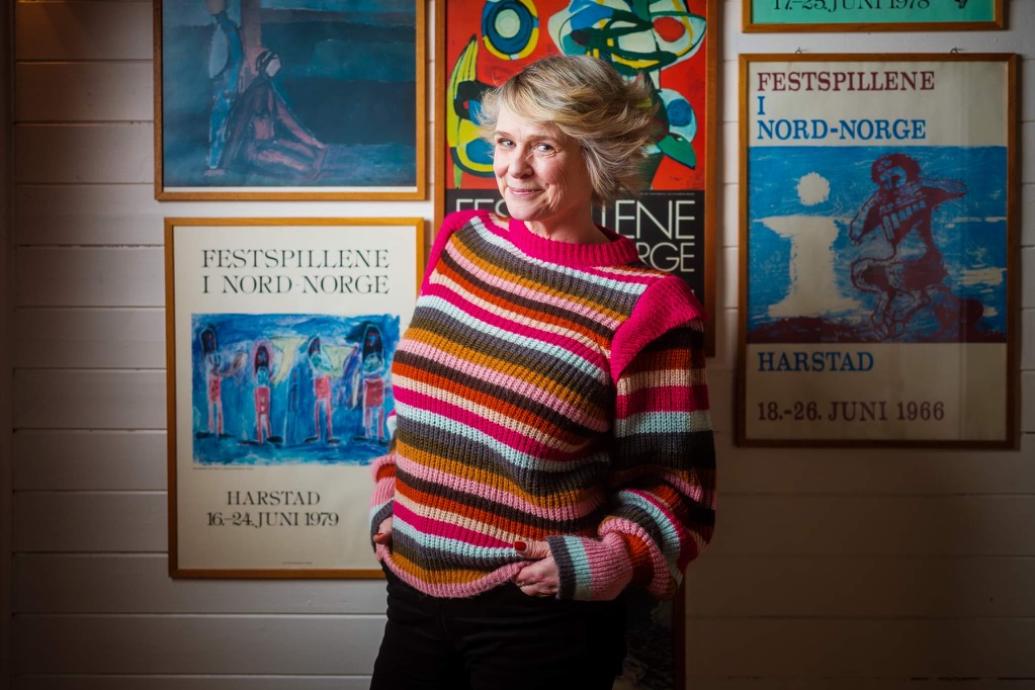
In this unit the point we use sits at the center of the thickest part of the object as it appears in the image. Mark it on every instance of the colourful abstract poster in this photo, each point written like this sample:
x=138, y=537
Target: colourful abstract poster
x=299, y=99
x=280, y=337
x=870, y=15
x=876, y=248
x=673, y=44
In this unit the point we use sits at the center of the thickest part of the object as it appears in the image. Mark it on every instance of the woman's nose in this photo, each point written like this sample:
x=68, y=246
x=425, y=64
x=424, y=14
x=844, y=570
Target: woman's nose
x=519, y=165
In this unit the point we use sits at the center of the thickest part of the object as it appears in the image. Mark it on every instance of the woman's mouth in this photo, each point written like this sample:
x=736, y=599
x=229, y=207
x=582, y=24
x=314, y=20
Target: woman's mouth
x=523, y=191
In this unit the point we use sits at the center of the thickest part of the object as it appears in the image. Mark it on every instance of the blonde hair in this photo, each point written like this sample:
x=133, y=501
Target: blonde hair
x=584, y=97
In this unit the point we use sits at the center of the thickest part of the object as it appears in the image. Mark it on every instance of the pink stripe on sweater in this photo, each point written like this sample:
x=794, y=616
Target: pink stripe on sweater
x=662, y=399
x=667, y=304
x=450, y=224
x=438, y=528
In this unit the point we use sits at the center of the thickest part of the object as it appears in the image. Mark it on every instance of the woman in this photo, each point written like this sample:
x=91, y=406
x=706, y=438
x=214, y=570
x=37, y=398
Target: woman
x=553, y=445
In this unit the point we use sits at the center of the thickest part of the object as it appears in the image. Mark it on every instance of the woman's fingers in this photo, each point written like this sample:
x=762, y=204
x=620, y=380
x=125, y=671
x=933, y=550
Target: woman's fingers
x=533, y=550
x=384, y=532
x=538, y=590
x=541, y=577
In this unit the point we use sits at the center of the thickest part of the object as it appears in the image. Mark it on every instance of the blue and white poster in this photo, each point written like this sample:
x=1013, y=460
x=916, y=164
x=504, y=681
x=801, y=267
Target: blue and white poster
x=289, y=98
x=281, y=335
x=876, y=246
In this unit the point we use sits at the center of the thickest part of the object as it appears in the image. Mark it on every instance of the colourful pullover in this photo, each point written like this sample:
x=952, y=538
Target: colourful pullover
x=546, y=391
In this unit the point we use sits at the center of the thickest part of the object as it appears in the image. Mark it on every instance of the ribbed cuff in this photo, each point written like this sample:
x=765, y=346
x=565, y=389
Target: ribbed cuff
x=378, y=513
x=383, y=469
x=591, y=569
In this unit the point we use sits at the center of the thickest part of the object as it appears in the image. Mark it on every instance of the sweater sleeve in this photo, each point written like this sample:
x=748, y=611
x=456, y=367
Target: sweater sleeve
x=450, y=224
x=661, y=511
x=383, y=497
x=383, y=469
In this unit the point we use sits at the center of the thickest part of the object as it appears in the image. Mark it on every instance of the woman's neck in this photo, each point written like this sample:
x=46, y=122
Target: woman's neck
x=581, y=231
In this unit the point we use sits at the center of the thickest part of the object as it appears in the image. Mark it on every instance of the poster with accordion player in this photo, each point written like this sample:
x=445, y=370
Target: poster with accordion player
x=878, y=216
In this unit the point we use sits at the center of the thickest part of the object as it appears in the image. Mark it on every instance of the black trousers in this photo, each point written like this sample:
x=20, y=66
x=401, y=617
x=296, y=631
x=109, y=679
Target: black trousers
x=502, y=639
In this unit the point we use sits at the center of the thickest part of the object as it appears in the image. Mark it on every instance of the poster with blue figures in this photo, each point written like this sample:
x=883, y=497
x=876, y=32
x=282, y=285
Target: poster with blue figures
x=281, y=335
x=877, y=240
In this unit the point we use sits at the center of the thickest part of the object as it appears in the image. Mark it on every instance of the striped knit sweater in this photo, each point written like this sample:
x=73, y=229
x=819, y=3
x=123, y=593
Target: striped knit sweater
x=546, y=391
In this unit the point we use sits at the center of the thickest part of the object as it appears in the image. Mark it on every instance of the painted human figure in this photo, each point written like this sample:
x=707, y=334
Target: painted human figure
x=374, y=368
x=911, y=271
x=216, y=369
x=321, y=370
x=226, y=55
x=264, y=136
x=213, y=380
x=261, y=369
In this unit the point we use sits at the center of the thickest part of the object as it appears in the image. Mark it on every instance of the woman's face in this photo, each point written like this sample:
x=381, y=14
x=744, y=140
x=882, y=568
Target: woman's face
x=540, y=171
x=273, y=67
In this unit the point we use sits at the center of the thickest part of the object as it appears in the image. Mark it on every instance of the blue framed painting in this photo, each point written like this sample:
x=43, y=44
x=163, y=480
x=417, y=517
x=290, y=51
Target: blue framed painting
x=289, y=99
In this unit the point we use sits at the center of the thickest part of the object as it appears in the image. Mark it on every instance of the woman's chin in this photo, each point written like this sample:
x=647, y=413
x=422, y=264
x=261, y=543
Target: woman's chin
x=523, y=209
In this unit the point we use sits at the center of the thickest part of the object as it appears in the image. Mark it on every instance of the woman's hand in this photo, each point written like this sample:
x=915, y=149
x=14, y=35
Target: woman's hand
x=541, y=577
x=383, y=536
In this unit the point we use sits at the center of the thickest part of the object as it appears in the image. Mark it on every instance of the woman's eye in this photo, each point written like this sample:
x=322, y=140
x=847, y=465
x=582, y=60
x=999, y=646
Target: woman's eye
x=504, y=143
x=544, y=147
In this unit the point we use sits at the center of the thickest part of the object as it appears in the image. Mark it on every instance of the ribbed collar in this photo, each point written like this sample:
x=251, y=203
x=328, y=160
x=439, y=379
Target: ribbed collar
x=619, y=251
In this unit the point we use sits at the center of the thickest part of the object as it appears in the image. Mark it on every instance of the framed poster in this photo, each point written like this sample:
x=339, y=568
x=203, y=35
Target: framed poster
x=307, y=99
x=674, y=45
x=279, y=339
x=877, y=252
x=872, y=15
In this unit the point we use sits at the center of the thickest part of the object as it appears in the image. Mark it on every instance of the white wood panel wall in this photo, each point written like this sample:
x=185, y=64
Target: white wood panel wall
x=849, y=569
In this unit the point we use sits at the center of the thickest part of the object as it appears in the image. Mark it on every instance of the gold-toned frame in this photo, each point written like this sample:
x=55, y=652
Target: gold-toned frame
x=749, y=25
x=712, y=188
x=1012, y=62
x=314, y=193
x=175, y=571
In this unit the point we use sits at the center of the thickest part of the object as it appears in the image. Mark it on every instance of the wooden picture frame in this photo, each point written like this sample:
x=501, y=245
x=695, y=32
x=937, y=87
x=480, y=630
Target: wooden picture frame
x=760, y=16
x=322, y=105
x=279, y=339
x=878, y=262
x=674, y=220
